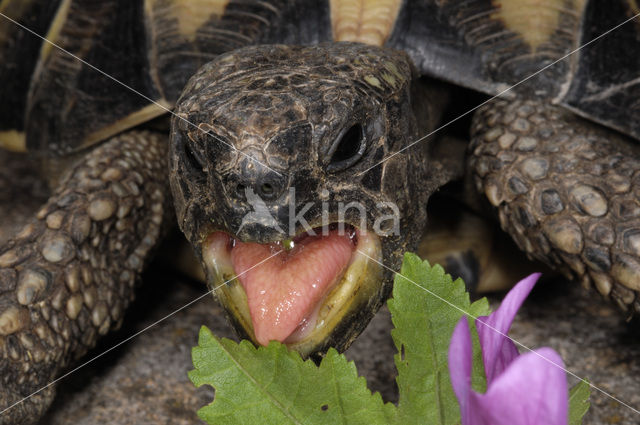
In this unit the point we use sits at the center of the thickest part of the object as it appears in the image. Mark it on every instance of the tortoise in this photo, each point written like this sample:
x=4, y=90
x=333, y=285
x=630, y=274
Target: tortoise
x=293, y=160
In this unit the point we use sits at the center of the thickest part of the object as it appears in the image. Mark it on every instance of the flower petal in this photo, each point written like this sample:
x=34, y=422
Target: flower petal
x=460, y=358
x=497, y=350
x=532, y=390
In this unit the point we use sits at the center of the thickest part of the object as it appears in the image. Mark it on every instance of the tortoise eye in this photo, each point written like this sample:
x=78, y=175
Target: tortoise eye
x=194, y=160
x=347, y=149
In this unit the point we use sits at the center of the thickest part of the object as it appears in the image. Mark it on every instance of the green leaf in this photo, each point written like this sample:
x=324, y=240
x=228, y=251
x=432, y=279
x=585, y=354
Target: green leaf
x=579, y=402
x=425, y=308
x=272, y=385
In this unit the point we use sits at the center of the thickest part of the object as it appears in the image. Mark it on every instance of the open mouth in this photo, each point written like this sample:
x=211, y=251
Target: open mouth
x=295, y=291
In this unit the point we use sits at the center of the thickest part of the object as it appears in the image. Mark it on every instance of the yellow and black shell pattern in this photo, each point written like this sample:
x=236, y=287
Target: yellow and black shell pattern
x=587, y=51
x=61, y=103
x=55, y=101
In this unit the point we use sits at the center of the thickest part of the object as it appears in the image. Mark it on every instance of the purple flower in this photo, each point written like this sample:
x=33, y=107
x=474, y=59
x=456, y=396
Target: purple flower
x=528, y=389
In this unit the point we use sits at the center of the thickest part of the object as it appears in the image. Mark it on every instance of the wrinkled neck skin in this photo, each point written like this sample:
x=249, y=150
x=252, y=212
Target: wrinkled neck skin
x=276, y=151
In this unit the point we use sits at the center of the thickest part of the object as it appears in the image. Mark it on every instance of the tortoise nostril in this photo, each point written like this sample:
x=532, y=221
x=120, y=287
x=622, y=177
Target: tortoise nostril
x=248, y=184
x=269, y=190
x=266, y=189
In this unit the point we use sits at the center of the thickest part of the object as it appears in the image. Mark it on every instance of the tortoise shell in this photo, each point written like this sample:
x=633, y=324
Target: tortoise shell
x=137, y=55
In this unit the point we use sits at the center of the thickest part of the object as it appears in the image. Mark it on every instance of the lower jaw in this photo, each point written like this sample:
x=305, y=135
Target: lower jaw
x=353, y=291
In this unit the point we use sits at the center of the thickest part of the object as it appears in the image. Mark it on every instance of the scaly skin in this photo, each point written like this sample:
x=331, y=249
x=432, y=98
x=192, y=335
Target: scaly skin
x=566, y=190
x=289, y=107
x=68, y=276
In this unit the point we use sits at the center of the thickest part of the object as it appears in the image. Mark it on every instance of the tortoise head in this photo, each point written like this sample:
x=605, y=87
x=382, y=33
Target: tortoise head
x=276, y=181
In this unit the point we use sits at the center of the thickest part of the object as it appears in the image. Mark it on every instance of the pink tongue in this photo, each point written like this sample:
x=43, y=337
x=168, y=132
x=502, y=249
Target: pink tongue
x=285, y=289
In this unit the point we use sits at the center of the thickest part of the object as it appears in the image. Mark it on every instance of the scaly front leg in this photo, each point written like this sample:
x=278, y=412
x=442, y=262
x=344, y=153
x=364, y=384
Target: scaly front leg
x=567, y=190
x=67, y=277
